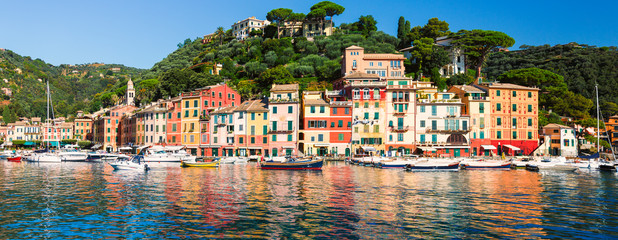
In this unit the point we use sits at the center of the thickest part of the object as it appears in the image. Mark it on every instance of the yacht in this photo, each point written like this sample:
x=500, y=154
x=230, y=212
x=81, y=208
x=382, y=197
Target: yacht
x=72, y=155
x=167, y=154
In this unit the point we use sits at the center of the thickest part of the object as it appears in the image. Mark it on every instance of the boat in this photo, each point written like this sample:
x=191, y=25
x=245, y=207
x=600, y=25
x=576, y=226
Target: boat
x=167, y=154
x=6, y=153
x=228, y=160
x=241, y=160
x=397, y=163
x=425, y=166
x=551, y=164
x=16, y=158
x=485, y=165
x=135, y=163
x=212, y=164
x=45, y=155
x=293, y=164
x=72, y=155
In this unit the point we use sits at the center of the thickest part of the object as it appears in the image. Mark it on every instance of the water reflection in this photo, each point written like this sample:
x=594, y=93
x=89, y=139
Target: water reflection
x=79, y=200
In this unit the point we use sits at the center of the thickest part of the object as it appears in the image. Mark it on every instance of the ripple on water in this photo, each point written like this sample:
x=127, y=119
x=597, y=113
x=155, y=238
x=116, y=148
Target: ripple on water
x=83, y=200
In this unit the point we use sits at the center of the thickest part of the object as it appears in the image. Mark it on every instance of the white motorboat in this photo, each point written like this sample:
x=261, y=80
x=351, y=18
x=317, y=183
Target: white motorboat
x=45, y=157
x=433, y=165
x=72, y=155
x=135, y=163
x=167, y=154
x=470, y=164
x=241, y=160
x=227, y=160
x=552, y=164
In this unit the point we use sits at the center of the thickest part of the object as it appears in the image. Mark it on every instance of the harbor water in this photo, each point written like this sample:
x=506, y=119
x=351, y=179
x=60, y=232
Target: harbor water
x=90, y=200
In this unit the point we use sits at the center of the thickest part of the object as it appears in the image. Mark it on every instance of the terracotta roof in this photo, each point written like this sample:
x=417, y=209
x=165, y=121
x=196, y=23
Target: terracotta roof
x=377, y=56
x=354, y=47
x=505, y=86
x=316, y=102
x=358, y=75
x=469, y=89
x=229, y=109
x=284, y=87
x=252, y=106
x=554, y=125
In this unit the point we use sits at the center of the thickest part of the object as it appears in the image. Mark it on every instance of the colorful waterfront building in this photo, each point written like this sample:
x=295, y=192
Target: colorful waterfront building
x=140, y=128
x=400, y=112
x=190, y=121
x=83, y=127
x=222, y=140
x=283, y=105
x=213, y=97
x=514, y=117
x=154, y=119
x=174, y=121
x=340, y=124
x=558, y=140
x=106, y=126
x=477, y=106
x=441, y=128
x=314, y=136
x=128, y=130
x=252, y=141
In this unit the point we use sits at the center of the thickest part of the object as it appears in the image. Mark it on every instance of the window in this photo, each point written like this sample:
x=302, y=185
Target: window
x=265, y=139
x=514, y=135
x=529, y=135
x=400, y=137
x=290, y=126
x=265, y=116
x=514, y=122
x=356, y=105
x=334, y=111
x=422, y=109
x=481, y=108
x=499, y=134
x=366, y=105
x=274, y=126
x=356, y=93
x=434, y=125
x=514, y=93
x=187, y=104
x=320, y=137
x=498, y=93
x=376, y=128
x=289, y=137
x=252, y=130
x=290, y=109
x=312, y=109
x=252, y=116
x=422, y=138
x=366, y=93
x=376, y=115
x=482, y=135
x=240, y=140
x=340, y=123
x=434, y=138
x=498, y=107
x=529, y=94
x=499, y=121
x=376, y=93
x=434, y=110
x=252, y=139
x=347, y=111
x=264, y=130
x=529, y=108
x=366, y=115
x=340, y=137
x=274, y=138
x=321, y=109
x=274, y=109
x=422, y=123
x=514, y=107
x=195, y=113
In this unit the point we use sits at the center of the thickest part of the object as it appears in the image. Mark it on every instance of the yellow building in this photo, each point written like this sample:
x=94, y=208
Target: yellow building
x=190, y=131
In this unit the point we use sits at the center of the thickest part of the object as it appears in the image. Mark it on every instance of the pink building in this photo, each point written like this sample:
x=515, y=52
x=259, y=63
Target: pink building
x=381, y=64
x=283, y=105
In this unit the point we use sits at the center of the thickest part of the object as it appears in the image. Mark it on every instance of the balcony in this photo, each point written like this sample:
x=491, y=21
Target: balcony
x=341, y=103
x=399, y=128
x=478, y=98
x=438, y=100
x=446, y=131
x=400, y=87
x=399, y=113
x=367, y=84
x=280, y=131
x=283, y=100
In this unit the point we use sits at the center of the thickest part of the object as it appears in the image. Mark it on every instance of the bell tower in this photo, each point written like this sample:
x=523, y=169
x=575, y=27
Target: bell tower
x=130, y=98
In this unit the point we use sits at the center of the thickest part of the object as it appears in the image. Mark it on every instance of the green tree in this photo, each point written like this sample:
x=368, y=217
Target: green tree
x=331, y=9
x=295, y=18
x=435, y=28
x=220, y=33
x=255, y=68
x=436, y=79
x=278, y=74
x=279, y=15
x=367, y=24
x=478, y=44
x=422, y=49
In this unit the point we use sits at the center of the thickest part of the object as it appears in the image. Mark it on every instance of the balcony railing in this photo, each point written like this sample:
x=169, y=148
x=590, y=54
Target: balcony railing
x=399, y=128
x=400, y=87
x=438, y=100
x=280, y=131
x=283, y=100
x=367, y=84
x=446, y=131
x=478, y=98
x=341, y=103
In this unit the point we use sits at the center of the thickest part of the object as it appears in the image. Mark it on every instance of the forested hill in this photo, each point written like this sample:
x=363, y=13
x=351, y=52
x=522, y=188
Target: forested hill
x=581, y=66
x=73, y=87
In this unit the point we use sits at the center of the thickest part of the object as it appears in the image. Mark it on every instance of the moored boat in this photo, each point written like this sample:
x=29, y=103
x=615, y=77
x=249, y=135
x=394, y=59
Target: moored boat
x=212, y=164
x=486, y=165
x=292, y=164
x=135, y=163
x=16, y=158
x=433, y=166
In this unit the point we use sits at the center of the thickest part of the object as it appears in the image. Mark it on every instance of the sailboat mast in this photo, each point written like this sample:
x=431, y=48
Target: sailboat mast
x=596, y=88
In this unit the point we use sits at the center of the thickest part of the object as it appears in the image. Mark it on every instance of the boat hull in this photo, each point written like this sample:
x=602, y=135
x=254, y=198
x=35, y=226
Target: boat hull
x=453, y=167
x=472, y=166
x=14, y=159
x=200, y=164
x=295, y=165
x=125, y=165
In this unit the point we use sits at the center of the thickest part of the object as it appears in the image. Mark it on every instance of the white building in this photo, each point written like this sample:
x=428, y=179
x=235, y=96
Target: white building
x=241, y=29
x=457, y=62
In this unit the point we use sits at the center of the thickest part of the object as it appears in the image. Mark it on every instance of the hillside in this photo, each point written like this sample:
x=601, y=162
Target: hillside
x=73, y=88
x=581, y=66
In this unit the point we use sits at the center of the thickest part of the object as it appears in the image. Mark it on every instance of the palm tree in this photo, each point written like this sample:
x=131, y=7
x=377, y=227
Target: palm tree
x=220, y=33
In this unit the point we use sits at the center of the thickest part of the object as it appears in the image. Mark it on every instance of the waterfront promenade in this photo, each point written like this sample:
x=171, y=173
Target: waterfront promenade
x=83, y=200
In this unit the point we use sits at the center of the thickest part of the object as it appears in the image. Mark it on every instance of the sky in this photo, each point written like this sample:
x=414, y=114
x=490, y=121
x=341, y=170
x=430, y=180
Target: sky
x=142, y=33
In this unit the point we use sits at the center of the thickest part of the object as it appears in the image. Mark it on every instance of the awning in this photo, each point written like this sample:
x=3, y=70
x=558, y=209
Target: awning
x=29, y=143
x=53, y=144
x=289, y=147
x=369, y=149
x=427, y=149
x=322, y=145
x=488, y=147
x=255, y=148
x=512, y=147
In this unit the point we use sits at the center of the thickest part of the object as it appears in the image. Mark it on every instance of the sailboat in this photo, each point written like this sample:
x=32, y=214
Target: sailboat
x=47, y=156
x=603, y=166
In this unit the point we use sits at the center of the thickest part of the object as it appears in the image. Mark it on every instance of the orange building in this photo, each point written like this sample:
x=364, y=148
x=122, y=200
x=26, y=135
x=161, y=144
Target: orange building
x=83, y=128
x=514, y=117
